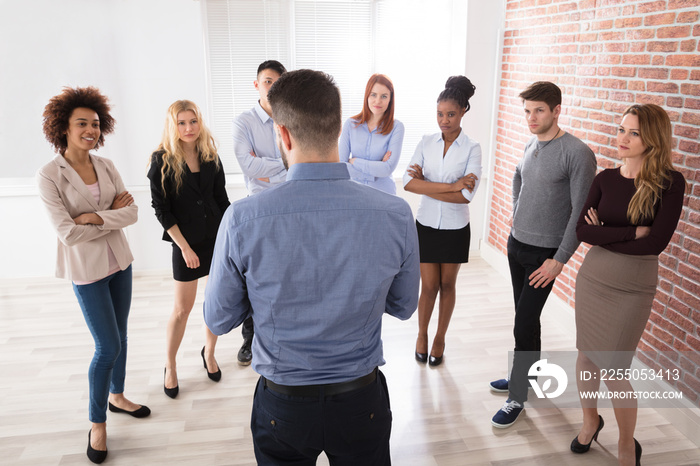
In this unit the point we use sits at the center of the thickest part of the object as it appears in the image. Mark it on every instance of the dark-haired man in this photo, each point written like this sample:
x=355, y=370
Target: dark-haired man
x=550, y=186
x=260, y=160
x=288, y=257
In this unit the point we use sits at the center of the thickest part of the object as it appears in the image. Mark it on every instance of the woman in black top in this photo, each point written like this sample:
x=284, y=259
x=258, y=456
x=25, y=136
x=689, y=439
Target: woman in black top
x=189, y=197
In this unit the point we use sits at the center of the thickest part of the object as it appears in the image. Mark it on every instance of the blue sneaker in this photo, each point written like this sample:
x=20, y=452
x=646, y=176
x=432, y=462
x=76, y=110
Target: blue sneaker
x=507, y=415
x=499, y=386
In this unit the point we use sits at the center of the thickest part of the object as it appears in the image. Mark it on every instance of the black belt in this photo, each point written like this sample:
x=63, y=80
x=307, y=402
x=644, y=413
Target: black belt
x=328, y=389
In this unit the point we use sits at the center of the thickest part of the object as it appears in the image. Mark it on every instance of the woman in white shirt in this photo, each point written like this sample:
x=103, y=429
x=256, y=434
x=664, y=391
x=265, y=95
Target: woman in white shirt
x=371, y=140
x=445, y=169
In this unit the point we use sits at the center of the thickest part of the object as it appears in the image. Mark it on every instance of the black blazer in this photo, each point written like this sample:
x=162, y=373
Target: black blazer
x=197, y=209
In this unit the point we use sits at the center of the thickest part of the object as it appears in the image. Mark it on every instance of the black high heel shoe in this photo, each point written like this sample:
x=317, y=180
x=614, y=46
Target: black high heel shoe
x=421, y=357
x=578, y=447
x=215, y=376
x=171, y=392
x=97, y=456
x=637, y=452
x=436, y=360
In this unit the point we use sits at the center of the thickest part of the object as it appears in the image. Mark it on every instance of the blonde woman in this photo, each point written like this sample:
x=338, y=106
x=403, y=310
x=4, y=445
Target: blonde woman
x=629, y=218
x=189, y=197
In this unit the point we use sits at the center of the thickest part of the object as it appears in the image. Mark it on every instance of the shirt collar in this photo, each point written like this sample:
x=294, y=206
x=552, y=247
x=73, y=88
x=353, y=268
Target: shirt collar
x=459, y=141
x=262, y=114
x=318, y=171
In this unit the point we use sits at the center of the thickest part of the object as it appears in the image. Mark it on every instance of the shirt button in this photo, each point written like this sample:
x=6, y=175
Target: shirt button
x=273, y=422
x=199, y=202
x=371, y=416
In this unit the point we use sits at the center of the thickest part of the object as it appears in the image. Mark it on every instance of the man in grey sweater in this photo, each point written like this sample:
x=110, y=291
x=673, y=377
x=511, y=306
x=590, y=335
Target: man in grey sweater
x=550, y=186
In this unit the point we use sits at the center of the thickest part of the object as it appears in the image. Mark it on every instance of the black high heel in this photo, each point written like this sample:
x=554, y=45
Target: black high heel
x=637, y=452
x=97, y=456
x=215, y=376
x=171, y=392
x=421, y=357
x=578, y=447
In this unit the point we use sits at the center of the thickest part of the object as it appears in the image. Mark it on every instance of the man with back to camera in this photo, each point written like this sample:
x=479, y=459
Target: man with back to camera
x=550, y=186
x=288, y=257
x=259, y=158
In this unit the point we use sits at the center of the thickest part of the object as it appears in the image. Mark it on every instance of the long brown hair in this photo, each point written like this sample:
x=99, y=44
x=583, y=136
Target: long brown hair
x=386, y=123
x=655, y=174
x=171, y=146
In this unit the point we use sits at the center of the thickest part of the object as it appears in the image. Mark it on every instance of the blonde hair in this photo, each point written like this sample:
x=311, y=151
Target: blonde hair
x=173, y=155
x=655, y=174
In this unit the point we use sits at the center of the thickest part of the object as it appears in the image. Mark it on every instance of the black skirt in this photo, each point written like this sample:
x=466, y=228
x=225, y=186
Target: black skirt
x=182, y=273
x=443, y=246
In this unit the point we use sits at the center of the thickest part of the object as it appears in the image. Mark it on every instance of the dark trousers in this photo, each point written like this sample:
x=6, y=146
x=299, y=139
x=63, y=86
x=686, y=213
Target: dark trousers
x=247, y=329
x=352, y=428
x=523, y=260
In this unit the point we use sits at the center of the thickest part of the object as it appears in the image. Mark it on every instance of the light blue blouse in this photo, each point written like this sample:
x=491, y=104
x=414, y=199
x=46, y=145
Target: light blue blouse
x=462, y=158
x=368, y=149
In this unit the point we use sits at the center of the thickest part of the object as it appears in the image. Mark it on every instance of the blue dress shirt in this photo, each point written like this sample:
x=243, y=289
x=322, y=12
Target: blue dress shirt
x=317, y=261
x=368, y=149
x=254, y=130
x=462, y=158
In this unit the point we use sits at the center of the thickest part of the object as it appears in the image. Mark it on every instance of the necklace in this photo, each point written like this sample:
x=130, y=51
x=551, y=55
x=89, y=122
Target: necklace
x=537, y=151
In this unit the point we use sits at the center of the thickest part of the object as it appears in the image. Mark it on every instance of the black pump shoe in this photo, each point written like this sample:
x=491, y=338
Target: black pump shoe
x=215, y=376
x=421, y=357
x=578, y=447
x=171, y=392
x=637, y=452
x=97, y=456
x=435, y=360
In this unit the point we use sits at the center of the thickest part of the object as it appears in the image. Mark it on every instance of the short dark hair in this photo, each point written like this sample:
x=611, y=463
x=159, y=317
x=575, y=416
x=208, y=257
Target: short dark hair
x=543, y=91
x=273, y=65
x=58, y=111
x=459, y=89
x=307, y=103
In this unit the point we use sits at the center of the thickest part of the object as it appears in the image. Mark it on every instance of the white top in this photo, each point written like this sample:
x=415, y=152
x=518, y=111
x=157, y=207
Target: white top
x=463, y=157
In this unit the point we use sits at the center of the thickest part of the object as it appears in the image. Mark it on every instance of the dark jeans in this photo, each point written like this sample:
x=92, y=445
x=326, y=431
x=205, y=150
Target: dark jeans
x=523, y=260
x=105, y=306
x=247, y=329
x=351, y=428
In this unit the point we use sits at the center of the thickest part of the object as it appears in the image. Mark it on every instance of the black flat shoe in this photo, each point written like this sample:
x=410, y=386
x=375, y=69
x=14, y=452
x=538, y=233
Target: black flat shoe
x=637, y=452
x=435, y=360
x=171, y=392
x=96, y=456
x=143, y=411
x=421, y=357
x=215, y=376
x=578, y=447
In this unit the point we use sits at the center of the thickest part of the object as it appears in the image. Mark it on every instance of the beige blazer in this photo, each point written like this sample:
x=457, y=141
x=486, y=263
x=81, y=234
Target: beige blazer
x=82, y=249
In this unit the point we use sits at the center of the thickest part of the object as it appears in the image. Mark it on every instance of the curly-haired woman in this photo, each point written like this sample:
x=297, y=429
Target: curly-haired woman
x=189, y=196
x=89, y=206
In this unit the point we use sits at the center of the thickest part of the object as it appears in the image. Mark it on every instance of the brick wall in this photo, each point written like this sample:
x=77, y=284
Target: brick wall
x=606, y=55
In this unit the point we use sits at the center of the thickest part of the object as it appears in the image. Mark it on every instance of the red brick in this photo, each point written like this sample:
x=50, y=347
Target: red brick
x=689, y=146
x=687, y=17
x=651, y=6
x=653, y=73
x=649, y=99
x=663, y=18
x=691, y=118
x=676, y=102
x=668, y=88
x=688, y=45
x=686, y=131
x=640, y=34
x=673, y=32
x=679, y=74
x=683, y=60
x=612, y=47
x=684, y=324
x=662, y=46
x=601, y=25
x=636, y=59
x=624, y=71
x=678, y=4
x=690, y=89
x=687, y=298
x=626, y=23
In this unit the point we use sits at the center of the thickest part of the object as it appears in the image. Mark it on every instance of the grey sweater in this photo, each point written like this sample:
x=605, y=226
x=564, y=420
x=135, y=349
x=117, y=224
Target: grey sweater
x=549, y=191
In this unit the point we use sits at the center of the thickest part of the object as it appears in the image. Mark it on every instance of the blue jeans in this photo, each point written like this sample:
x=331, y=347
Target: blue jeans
x=105, y=306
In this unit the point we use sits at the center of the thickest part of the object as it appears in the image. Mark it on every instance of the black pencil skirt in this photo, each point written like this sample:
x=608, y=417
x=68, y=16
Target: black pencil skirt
x=443, y=246
x=182, y=273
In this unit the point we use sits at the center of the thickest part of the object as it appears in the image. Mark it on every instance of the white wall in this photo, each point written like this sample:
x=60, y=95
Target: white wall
x=143, y=55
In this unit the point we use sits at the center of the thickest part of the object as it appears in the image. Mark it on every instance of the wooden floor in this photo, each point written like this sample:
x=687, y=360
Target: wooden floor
x=441, y=415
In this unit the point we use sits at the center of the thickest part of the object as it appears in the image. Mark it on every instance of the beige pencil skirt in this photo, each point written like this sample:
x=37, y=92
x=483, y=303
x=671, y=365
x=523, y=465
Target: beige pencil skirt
x=614, y=294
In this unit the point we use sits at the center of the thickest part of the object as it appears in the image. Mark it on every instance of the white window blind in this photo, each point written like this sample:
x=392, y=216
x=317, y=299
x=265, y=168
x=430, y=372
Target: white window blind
x=417, y=44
